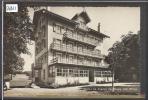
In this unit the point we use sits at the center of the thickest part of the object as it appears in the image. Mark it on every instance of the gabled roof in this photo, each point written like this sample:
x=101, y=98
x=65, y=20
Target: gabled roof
x=66, y=20
x=84, y=15
x=52, y=15
x=98, y=33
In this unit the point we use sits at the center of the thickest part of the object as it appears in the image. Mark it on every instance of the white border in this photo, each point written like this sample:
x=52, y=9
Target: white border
x=2, y=46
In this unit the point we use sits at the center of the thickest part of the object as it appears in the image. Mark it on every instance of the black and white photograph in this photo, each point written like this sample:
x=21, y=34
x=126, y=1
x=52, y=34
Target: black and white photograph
x=72, y=52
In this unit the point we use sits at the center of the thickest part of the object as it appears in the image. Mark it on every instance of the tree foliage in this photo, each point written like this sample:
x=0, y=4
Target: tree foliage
x=124, y=58
x=17, y=34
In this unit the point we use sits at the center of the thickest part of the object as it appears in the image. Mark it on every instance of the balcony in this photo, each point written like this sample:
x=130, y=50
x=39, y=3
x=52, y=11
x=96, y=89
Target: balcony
x=74, y=50
x=82, y=40
x=38, y=66
x=76, y=63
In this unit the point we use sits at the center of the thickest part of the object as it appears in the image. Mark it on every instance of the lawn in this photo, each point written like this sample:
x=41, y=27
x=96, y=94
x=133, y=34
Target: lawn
x=118, y=90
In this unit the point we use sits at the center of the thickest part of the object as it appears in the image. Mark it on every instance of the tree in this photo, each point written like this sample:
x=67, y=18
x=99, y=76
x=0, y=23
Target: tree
x=124, y=58
x=17, y=34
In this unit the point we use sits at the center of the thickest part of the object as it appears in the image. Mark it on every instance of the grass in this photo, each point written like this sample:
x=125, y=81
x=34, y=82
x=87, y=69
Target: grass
x=118, y=90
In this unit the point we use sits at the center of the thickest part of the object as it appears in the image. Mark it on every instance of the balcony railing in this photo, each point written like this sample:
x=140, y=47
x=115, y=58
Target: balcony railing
x=75, y=62
x=82, y=40
x=74, y=50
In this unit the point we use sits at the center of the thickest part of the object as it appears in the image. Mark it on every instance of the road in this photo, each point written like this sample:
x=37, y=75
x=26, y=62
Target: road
x=66, y=92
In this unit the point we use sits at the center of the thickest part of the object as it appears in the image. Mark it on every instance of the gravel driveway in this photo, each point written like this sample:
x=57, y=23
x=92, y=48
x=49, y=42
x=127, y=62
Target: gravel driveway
x=68, y=92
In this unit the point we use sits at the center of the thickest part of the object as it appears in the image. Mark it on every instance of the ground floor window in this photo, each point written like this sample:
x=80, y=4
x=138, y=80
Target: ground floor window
x=65, y=72
x=103, y=74
x=51, y=72
x=71, y=72
x=59, y=72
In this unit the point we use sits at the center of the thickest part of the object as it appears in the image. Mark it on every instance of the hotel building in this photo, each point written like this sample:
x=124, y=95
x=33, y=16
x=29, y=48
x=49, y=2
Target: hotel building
x=65, y=50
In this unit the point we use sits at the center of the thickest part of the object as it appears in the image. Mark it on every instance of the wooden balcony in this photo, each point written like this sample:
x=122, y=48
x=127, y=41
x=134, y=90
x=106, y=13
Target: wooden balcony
x=74, y=50
x=74, y=62
x=76, y=38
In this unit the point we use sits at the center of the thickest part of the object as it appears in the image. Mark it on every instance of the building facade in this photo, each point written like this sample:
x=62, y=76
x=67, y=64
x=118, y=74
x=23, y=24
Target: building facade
x=65, y=50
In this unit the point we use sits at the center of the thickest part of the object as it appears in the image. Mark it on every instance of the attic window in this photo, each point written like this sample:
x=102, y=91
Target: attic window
x=82, y=24
x=57, y=28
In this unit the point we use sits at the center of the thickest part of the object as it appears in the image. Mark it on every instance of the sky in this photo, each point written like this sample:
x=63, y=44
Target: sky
x=115, y=21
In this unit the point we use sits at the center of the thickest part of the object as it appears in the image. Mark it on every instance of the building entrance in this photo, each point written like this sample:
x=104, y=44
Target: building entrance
x=91, y=75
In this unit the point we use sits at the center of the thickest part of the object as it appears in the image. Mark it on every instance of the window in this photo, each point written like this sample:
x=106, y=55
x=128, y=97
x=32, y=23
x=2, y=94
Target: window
x=44, y=74
x=91, y=38
x=40, y=21
x=65, y=72
x=82, y=24
x=109, y=74
x=81, y=73
x=39, y=33
x=80, y=36
x=76, y=73
x=63, y=30
x=80, y=48
x=98, y=73
x=80, y=60
x=74, y=35
x=89, y=61
x=85, y=49
x=71, y=58
x=89, y=51
x=59, y=56
x=70, y=46
x=56, y=28
x=43, y=43
x=43, y=30
x=103, y=74
x=59, y=72
x=85, y=73
x=71, y=72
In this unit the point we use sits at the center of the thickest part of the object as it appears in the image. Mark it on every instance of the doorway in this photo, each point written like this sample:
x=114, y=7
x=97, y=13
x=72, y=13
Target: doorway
x=91, y=75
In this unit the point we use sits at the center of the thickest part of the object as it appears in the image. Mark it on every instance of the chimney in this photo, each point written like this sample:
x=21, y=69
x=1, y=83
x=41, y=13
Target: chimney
x=98, y=27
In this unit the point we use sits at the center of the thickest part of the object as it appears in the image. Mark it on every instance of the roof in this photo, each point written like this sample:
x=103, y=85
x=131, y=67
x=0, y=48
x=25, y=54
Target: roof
x=82, y=14
x=98, y=33
x=52, y=15
x=66, y=20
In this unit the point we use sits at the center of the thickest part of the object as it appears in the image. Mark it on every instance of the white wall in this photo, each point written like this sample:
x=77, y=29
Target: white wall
x=103, y=79
x=70, y=80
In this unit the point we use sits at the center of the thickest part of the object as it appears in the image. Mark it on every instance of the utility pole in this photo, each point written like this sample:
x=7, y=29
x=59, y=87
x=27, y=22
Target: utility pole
x=113, y=71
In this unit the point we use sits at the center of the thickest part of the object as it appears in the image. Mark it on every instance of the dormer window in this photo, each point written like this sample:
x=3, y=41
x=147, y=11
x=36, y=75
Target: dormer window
x=83, y=15
x=82, y=24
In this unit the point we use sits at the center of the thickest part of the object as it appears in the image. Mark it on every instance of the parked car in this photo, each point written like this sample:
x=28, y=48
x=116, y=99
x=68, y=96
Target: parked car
x=20, y=83
x=20, y=80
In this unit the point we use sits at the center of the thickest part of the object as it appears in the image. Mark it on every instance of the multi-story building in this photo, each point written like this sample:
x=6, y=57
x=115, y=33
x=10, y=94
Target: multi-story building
x=65, y=50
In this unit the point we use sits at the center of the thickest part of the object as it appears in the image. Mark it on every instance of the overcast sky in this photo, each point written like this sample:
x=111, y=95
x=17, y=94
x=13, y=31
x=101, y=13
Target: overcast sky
x=115, y=21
